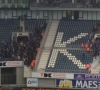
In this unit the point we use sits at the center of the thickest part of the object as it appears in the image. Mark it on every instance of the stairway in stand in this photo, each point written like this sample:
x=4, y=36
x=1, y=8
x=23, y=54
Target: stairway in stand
x=48, y=46
x=96, y=66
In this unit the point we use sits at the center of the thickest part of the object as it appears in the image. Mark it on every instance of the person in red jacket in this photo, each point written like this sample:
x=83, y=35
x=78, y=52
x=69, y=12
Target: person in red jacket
x=32, y=64
x=88, y=49
x=82, y=45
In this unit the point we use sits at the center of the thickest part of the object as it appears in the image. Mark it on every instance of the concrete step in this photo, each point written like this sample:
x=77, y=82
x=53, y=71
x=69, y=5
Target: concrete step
x=43, y=59
x=48, y=43
x=95, y=65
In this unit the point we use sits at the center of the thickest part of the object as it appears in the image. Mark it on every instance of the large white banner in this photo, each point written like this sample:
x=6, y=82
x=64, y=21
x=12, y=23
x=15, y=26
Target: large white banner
x=52, y=75
x=32, y=82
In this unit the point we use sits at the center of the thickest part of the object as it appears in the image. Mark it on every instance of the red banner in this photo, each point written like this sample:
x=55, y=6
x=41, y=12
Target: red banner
x=33, y=88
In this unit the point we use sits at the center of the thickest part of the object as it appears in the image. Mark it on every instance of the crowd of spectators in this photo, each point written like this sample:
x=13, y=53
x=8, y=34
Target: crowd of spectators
x=93, y=44
x=23, y=50
x=96, y=42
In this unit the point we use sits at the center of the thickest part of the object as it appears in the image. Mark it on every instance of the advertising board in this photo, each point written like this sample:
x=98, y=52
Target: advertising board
x=11, y=63
x=41, y=75
x=32, y=82
x=87, y=76
x=52, y=75
x=34, y=88
x=61, y=83
x=59, y=75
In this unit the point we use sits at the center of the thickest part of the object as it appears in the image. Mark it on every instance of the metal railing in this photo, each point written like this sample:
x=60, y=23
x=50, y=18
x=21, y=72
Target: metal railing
x=66, y=5
x=9, y=59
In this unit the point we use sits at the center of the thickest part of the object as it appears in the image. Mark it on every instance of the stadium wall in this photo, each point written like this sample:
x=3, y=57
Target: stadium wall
x=19, y=76
x=46, y=82
x=20, y=80
x=41, y=82
x=63, y=84
x=52, y=14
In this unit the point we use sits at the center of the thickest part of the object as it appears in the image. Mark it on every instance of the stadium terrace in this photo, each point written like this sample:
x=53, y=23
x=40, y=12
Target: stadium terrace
x=49, y=44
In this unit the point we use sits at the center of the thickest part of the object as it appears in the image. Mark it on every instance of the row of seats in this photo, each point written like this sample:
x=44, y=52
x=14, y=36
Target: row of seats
x=74, y=28
x=70, y=35
x=64, y=64
x=67, y=5
x=8, y=48
x=7, y=26
x=33, y=24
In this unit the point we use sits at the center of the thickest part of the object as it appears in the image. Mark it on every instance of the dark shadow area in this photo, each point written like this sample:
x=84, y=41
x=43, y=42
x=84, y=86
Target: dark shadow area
x=8, y=76
x=22, y=38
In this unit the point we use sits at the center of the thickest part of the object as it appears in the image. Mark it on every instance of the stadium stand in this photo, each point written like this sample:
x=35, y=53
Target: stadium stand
x=56, y=31
x=32, y=25
x=66, y=3
x=12, y=50
x=69, y=56
x=7, y=26
x=37, y=27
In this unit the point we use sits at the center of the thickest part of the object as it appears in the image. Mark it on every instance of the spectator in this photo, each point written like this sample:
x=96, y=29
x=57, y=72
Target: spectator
x=32, y=64
x=42, y=34
x=21, y=28
x=88, y=66
x=83, y=56
x=87, y=4
x=95, y=28
x=22, y=49
x=88, y=49
x=82, y=45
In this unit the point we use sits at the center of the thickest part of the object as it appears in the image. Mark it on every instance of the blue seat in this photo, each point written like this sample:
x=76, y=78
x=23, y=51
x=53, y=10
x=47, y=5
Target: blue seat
x=7, y=27
x=72, y=61
x=31, y=24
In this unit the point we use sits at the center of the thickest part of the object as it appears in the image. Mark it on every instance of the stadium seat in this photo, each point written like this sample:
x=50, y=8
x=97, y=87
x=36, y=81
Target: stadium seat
x=32, y=24
x=7, y=26
x=67, y=55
